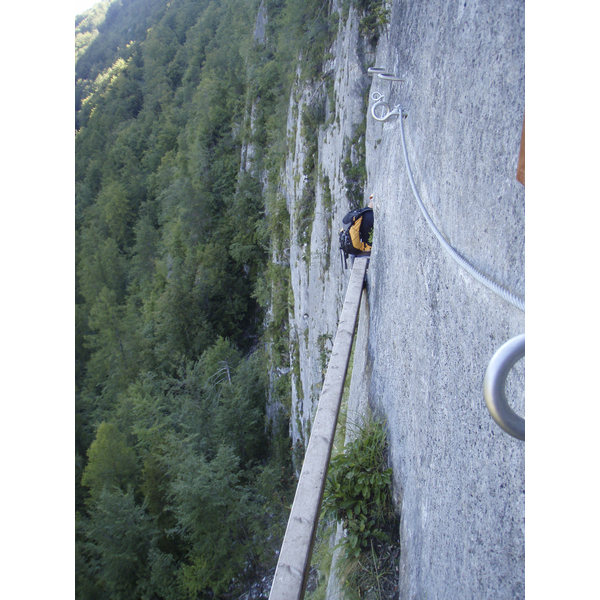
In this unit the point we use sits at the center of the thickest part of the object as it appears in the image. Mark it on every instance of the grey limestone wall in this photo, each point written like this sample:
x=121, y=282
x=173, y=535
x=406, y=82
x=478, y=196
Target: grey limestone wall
x=427, y=329
x=317, y=278
x=432, y=329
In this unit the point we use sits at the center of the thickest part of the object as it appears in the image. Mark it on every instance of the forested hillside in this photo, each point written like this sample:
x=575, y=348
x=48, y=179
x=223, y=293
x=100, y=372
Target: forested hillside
x=183, y=485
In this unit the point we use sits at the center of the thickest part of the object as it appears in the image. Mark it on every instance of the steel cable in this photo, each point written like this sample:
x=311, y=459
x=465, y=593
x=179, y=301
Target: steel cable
x=513, y=350
x=465, y=264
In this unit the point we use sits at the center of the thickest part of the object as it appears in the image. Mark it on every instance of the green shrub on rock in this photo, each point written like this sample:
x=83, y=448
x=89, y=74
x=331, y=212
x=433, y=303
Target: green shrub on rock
x=357, y=491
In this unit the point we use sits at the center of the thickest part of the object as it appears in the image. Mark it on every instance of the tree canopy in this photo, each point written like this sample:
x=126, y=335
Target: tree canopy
x=182, y=483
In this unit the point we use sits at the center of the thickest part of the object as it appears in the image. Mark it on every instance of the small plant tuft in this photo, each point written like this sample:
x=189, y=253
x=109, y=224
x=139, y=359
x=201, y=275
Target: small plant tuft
x=357, y=491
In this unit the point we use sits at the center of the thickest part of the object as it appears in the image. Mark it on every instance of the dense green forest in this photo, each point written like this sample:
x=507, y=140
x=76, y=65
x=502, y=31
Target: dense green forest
x=183, y=485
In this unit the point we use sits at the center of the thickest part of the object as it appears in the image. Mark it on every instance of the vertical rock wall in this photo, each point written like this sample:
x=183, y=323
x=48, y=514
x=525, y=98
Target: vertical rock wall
x=428, y=329
x=318, y=280
x=459, y=479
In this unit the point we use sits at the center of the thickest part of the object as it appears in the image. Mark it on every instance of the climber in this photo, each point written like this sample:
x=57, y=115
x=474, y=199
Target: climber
x=356, y=236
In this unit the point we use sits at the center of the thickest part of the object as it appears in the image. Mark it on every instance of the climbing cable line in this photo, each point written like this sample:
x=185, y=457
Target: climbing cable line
x=513, y=350
x=463, y=262
x=513, y=299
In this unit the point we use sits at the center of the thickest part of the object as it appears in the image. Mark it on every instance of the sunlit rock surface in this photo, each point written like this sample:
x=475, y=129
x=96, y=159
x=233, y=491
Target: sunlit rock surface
x=429, y=329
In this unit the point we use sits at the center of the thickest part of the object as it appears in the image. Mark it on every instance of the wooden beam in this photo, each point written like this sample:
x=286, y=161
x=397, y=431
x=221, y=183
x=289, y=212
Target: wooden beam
x=293, y=566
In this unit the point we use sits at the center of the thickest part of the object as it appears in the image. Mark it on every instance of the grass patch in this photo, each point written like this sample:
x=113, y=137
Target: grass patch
x=372, y=575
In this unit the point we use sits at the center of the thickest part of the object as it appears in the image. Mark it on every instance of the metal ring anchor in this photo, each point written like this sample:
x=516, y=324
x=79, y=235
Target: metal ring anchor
x=380, y=102
x=375, y=70
x=383, y=73
x=494, y=386
x=389, y=77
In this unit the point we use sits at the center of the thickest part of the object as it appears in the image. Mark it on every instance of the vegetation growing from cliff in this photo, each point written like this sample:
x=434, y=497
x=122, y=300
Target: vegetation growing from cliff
x=358, y=495
x=357, y=491
x=375, y=15
x=354, y=164
x=367, y=557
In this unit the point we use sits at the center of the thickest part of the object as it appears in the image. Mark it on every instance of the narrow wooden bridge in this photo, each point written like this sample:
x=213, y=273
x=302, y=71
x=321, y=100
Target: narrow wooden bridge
x=293, y=566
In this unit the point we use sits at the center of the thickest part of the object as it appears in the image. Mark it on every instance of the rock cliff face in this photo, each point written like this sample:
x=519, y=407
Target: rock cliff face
x=428, y=329
x=317, y=201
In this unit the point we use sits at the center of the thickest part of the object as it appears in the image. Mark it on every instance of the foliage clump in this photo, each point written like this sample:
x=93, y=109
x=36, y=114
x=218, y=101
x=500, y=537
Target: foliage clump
x=354, y=166
x=367, y=566
x=357, y=491
x=375, y=17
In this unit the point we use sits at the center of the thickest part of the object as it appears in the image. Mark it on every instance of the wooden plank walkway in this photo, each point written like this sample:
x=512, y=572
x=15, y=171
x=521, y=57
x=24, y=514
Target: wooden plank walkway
x=293, y=566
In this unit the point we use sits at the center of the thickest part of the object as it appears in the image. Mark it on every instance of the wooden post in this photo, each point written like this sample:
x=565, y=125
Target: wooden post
x=293, y=566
